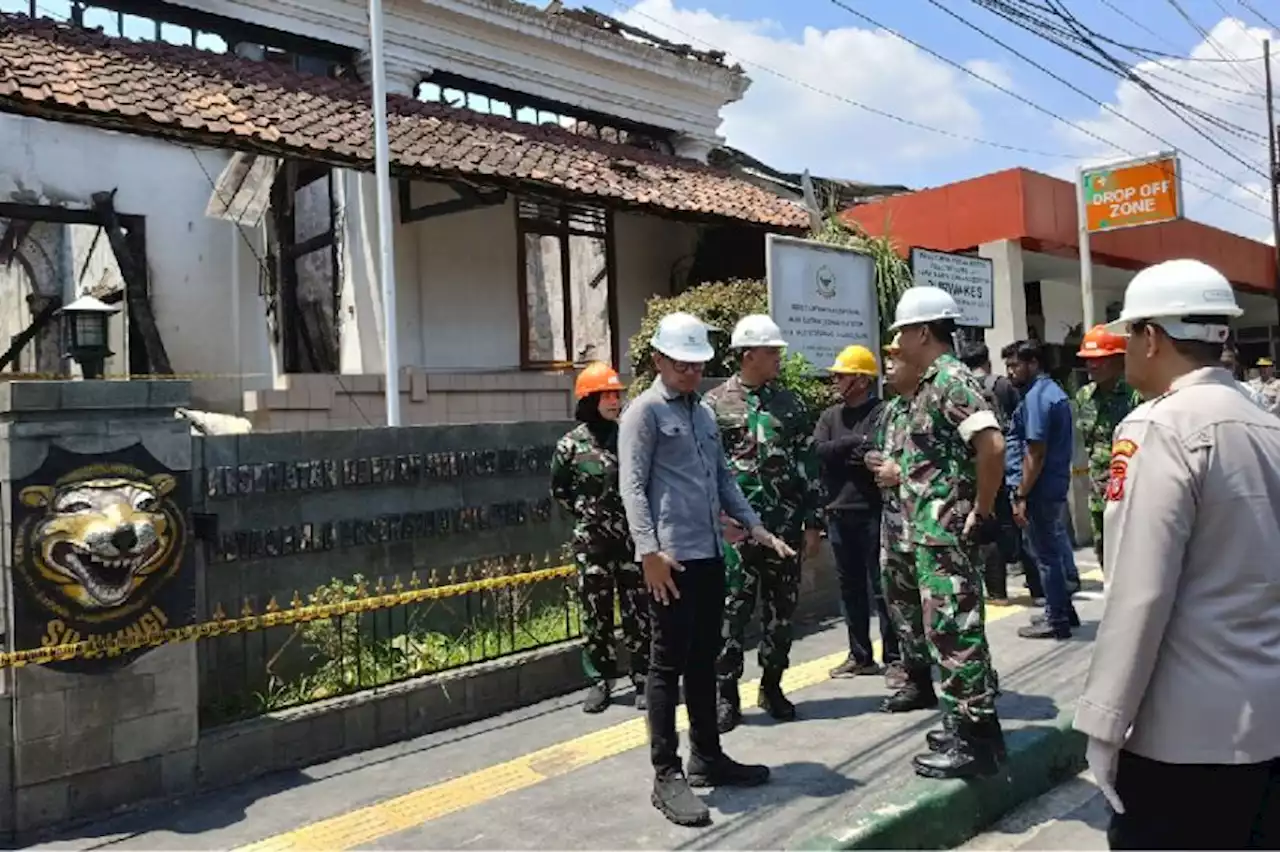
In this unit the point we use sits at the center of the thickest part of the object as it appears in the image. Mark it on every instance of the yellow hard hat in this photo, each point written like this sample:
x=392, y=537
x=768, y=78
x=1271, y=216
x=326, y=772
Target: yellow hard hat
x=1265, y=362
x=855, y=361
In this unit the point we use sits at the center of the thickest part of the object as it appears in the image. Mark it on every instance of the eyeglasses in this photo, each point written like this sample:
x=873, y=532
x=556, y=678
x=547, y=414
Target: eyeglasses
x=686, y=366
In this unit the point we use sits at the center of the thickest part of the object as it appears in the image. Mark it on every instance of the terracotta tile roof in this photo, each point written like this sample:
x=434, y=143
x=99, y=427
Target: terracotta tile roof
x=152, y=88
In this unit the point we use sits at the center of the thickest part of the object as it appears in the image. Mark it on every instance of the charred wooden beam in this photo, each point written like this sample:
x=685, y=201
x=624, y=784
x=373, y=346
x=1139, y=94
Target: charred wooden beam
x=130, y=252
x=27, y=334
x=469, y=198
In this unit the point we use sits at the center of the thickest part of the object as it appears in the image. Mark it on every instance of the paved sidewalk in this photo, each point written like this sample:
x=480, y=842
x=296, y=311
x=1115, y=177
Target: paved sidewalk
x=549, y=776
x=1072, y=817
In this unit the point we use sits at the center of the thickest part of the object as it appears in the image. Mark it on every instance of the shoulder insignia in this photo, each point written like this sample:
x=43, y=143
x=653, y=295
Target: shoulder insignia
x=1121, y=452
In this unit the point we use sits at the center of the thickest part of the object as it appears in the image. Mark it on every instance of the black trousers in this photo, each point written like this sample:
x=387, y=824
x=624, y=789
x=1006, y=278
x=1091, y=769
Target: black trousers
x=1196, y=806
x=686, y=641
x=855, y=541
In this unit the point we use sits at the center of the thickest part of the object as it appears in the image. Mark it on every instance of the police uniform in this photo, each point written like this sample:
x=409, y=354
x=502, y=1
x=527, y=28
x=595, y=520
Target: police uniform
x=769, y=447
x=1185, y=675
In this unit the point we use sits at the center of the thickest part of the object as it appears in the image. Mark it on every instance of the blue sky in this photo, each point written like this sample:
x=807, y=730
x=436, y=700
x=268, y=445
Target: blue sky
x=827, y=47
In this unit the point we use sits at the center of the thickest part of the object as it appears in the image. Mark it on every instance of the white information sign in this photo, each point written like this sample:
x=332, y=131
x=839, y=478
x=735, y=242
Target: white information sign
x=970, y=281
x=823, y=297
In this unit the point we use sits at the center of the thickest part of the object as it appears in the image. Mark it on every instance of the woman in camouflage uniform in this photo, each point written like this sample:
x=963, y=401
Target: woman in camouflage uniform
x=584, y=481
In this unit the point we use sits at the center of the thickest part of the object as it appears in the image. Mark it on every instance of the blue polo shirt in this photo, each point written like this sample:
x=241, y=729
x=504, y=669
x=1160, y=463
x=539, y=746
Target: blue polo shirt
x=1044, y=416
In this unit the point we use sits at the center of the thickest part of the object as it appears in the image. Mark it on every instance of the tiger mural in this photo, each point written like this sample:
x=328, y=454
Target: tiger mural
x=106, y=530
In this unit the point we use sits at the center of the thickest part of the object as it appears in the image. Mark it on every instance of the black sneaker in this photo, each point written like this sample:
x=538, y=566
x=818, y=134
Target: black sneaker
x=598, y=697
x=673, y=796
x=724, y=772
x=1073, y=620
x=853, y=668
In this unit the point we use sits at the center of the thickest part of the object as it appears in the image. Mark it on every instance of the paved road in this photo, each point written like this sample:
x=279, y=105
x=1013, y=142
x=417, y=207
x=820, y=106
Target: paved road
x=1072, y=817
x=549, y=776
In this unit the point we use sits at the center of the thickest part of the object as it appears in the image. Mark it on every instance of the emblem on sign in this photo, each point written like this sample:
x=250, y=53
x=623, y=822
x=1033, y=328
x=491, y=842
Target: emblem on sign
x=826, y=282
x=98, y=544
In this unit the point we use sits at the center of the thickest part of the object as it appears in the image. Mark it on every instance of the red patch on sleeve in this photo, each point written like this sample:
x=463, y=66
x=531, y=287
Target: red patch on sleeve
x=1121, y=452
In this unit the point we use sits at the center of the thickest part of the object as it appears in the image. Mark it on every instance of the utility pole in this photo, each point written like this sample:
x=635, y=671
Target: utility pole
x=1272, y=177
x=386, y=245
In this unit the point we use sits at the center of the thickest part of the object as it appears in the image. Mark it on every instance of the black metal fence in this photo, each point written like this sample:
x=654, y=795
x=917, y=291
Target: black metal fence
x=372, y=634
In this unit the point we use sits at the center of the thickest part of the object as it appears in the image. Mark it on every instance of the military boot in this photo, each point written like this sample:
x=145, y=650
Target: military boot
x=640, y=682
x=771, y=700
x=917, y=694
x=940, y=741
x=976, y=750
x=728, y=707
x=598, y=697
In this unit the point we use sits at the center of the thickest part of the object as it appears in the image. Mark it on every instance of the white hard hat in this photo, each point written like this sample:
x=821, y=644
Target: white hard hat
x=924, y=304
x=683, y=337
x=1175, y=289
x=756, y=330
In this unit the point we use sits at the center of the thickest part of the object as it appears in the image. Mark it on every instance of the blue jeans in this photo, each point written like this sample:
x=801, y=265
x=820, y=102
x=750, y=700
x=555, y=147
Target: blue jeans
x=1055, y=557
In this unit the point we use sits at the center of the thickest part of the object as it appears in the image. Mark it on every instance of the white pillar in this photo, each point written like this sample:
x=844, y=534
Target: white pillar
x=364, y=319
x=1009, y=301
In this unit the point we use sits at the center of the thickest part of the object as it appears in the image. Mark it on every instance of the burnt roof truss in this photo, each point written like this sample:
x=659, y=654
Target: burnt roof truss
x=468, y=198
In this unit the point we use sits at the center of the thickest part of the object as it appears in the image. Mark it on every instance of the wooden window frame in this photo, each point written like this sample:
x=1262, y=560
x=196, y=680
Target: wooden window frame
x=295, y=176
x=531, y=215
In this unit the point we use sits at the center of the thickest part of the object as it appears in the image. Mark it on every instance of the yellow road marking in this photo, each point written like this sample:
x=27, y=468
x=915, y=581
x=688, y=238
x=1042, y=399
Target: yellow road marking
x=373, y=822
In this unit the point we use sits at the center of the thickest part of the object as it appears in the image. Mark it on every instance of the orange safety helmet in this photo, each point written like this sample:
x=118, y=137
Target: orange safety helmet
x=1100, y=343
x=596, y=378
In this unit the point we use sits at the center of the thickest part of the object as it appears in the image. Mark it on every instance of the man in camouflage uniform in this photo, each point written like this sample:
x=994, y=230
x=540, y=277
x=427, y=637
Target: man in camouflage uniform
x=584, y=482
x=1266, y=387
x=1100, y=406
x=897, y=561
x=952, y=463
x=769, y=446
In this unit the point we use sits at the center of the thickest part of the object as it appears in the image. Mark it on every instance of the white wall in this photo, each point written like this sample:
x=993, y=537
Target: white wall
x=648, y=250
x=458, y=305
x=195, y=273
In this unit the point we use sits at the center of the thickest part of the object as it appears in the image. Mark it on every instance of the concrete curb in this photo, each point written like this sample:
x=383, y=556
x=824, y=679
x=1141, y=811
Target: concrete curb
x=944, y=814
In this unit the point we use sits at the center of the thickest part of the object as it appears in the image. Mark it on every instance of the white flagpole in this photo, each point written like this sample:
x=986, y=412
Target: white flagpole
x=382, y=171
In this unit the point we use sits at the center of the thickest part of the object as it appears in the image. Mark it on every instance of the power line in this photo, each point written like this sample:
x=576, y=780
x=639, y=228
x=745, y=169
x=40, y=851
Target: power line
x=1081, y=34
x=1122, y=69
x=846, y=100
x=873, y=22
x=1208, y=39
x=1249, y=7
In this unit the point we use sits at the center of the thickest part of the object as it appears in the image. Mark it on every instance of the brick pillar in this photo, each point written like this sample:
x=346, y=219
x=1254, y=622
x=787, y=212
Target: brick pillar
x=110, y=463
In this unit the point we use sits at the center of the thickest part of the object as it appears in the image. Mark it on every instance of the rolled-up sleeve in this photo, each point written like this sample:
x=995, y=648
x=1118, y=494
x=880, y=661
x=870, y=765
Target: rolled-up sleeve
x=636, y=435
x=1151, y=504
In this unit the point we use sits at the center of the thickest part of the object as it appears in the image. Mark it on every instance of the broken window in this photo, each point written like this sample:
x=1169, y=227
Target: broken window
x=566, y=293
x=50, y=255
x=304, y=230
x=462, y=93
x=152, y=20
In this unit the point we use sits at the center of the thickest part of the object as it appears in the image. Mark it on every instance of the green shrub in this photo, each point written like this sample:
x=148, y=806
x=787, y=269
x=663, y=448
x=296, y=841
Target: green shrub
x=722, y=304
x=719, y=304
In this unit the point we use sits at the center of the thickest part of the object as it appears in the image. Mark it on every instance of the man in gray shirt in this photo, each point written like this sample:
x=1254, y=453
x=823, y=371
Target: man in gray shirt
x=675, y=483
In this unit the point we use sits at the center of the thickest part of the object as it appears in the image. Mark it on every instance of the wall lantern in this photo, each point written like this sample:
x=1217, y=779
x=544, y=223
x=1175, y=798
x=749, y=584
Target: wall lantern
x=84, y=334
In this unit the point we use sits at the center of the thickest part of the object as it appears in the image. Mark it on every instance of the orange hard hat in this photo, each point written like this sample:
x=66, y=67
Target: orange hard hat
x=1100, y=343
x=596, y=378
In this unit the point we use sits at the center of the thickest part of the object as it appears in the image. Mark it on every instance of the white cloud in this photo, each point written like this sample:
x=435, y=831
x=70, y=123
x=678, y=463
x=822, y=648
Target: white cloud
x=788, y=126
x=1233, y=93
x=993, y=71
